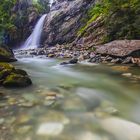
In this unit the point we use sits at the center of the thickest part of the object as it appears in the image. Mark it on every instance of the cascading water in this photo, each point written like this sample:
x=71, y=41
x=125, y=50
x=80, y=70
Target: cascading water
x=33, y=40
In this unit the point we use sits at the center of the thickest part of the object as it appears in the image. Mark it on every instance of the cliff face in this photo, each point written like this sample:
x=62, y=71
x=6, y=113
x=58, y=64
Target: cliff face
x=91, y=22
x=64, y=20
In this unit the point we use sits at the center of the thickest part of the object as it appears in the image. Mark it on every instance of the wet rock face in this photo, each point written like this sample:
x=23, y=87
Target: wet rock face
x=63, y=21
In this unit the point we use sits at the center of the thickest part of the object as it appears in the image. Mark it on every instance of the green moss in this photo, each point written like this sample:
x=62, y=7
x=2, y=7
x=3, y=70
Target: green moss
x=17, y=80
x=4, y=52
x=4, y=73
x=100, y=9
x=6, y=66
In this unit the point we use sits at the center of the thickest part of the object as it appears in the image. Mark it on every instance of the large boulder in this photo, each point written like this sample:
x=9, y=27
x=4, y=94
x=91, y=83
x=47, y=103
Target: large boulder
x=6, y=54
x=17, y=80
x=12, y=77
x=120, y=48
x=64, y=20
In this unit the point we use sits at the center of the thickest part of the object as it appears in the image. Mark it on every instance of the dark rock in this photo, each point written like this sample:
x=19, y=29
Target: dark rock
x=64, y=63
x=127, y=60
x=33, y=53
x=17, y=80
x=4, y=73
x=73, y=61
x=96, y=59
x=11, y=77
x=20, y=71
x=41, y=52
x=92, y=60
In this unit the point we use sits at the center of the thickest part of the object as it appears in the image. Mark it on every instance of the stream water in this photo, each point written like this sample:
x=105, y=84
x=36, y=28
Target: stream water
x=72, y=102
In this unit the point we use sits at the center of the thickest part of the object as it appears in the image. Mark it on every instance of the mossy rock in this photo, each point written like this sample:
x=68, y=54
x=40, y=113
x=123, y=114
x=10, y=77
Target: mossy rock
x=17, y=80
x=6, y=54
x=20, y=71
x=4, y=73
x=6, y=66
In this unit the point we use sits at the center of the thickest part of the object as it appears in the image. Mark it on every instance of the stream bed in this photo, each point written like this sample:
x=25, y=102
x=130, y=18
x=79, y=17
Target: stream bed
x=72, y=102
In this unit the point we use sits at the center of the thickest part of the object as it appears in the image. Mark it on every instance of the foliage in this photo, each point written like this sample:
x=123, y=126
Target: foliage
x=122, y=18
x=42, y=5
x=101, y=8
x=123, y=21
x=14, y=16
x=5, y=18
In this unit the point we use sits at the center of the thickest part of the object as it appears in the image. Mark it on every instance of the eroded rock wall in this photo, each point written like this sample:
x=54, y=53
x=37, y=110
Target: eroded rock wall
x=64, y=20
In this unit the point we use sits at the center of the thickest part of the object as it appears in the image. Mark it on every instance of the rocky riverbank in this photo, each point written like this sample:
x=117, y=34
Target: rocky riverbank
x=119, y=51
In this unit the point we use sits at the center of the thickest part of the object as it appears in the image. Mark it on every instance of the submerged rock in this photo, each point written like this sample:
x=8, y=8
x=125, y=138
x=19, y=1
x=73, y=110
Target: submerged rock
x=121, y=129
x=50, y=128
x=72, y=61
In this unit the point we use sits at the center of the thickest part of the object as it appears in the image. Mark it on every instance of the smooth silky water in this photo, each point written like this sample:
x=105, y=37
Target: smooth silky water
x=72, y=102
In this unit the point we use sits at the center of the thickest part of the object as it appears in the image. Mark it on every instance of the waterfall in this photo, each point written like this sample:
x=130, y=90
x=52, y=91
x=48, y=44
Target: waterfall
x=33, y=40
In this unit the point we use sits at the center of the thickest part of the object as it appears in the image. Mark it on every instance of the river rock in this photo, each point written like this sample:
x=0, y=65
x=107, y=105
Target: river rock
x=64, y=63
x=73, y=61
x=127, y=60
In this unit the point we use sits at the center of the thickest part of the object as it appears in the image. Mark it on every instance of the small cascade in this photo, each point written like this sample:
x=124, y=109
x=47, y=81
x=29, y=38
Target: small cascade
x=33, y=40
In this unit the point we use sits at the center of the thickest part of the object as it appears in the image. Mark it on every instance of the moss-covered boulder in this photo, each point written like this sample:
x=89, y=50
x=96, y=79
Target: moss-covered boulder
x=12, y=77
x=4, y=73
x=17, y=80
x=6, y=55
x=20, y=71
